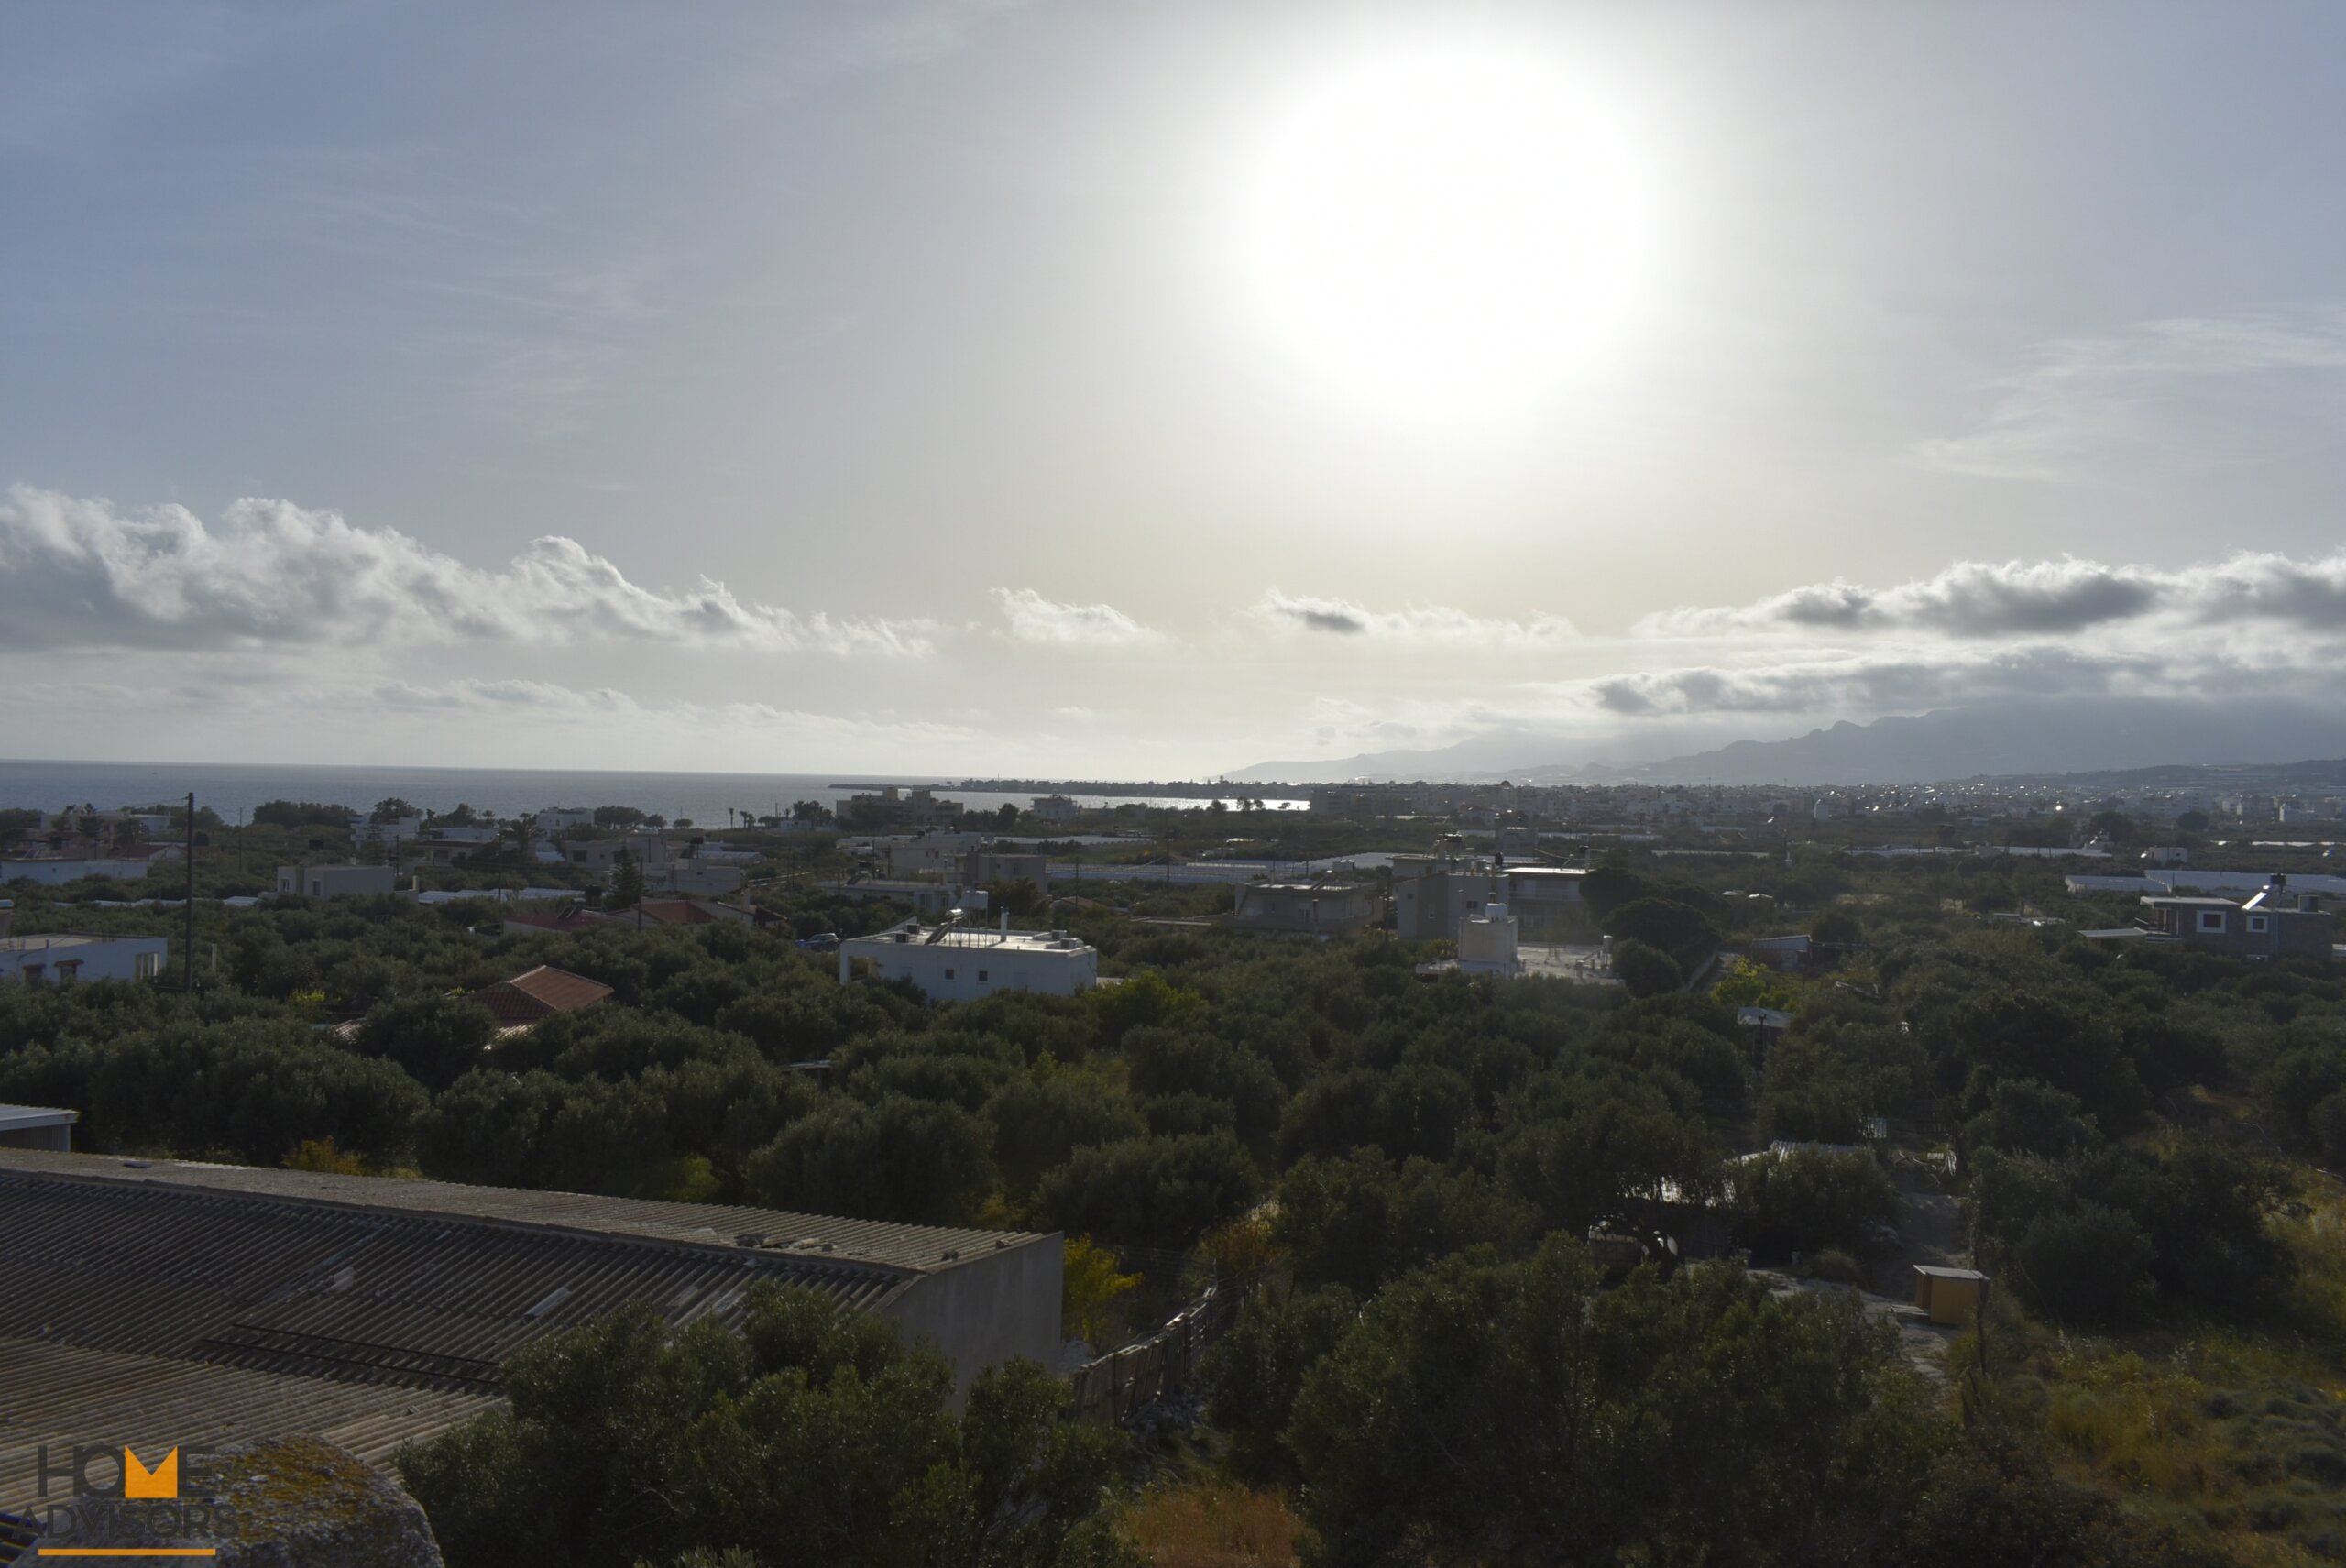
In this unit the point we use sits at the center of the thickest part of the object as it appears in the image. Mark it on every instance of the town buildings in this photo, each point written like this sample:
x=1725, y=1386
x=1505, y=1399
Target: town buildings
x=894, y=807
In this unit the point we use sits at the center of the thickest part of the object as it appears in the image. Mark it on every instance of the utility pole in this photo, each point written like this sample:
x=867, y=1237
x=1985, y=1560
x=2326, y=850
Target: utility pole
x=187, y=965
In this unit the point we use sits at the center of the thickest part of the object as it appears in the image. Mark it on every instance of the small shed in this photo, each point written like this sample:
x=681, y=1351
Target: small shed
x=1951, y=1297
x=540, y=994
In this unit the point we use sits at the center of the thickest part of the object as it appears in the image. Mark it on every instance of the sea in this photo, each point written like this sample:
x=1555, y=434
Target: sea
x=233, y=789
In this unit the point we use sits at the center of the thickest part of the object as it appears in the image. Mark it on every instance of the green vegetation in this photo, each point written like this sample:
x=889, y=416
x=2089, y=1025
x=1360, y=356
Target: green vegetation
x=808, y=1433
x=1398, y=1172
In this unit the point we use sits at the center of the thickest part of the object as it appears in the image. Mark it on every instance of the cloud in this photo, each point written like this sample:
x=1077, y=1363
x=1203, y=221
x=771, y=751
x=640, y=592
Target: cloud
x=1430, y=624
x=77, y=573
x=1034, y=618
x=511, y=696
x=2183, y=391
x=2044, y=598
x=1868, y=683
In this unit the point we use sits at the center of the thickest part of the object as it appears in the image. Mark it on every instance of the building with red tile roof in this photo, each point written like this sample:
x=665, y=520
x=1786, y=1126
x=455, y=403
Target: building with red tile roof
x=541, y=993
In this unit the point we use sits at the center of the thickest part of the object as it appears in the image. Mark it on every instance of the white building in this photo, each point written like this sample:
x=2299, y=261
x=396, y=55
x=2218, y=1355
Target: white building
x=336, y=882
x=562, y=818
x=1486, y=942
x=960, y=963
x=1056, y=809
x=121, y=865
x=66, y=958
x=399, y=830
x=929, y=854
x=695, y=877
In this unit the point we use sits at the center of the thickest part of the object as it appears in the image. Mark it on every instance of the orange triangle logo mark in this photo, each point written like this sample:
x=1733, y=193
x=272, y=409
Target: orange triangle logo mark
x=163, y=1481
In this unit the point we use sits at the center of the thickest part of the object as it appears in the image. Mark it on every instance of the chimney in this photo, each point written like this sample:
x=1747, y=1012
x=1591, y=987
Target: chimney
x=1005, y=920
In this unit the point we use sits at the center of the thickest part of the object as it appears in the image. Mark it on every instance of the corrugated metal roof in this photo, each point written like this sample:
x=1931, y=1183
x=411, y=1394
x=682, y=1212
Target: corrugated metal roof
x=919, y=1248
x=171, y=1303
x=163, y=1302
x=417, y=1301
x=61, y=1394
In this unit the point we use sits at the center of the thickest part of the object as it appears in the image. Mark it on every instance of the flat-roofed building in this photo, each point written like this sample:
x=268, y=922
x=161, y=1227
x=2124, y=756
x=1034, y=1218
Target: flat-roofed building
x=979, y=867
x=199, y=1305
x=962, y=963
x=1486, y=942
x=336, y=882
x=1432, y=899
x=1322, y=908
x=2272, y=923
x=64, y=957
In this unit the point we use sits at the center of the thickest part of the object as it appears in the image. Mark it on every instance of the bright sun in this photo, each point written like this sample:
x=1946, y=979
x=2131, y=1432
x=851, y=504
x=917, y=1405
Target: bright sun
x=1446, y=236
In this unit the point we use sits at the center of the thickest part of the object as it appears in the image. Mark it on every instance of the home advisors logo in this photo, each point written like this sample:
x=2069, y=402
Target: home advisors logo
x=115, y=1505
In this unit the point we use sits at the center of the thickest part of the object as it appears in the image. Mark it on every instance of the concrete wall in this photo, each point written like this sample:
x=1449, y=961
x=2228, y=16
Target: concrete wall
x=988, y=1309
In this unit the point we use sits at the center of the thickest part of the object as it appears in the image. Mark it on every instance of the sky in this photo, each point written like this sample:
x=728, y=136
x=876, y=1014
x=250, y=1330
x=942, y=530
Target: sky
x=1152, y=389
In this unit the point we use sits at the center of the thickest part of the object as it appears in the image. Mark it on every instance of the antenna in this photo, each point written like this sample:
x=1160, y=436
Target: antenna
x=187, y=965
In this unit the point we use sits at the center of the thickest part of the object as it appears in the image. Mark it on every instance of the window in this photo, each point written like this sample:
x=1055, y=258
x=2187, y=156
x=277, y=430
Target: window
x=2211, y=920
x=981, y=976
x=2259, y=924
x=33, y=973
x=145, y=966
x=949, y=974
x=68, y=971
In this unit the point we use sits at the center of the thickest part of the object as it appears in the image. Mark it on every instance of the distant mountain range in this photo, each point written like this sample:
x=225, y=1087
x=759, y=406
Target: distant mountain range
x=2064, y=736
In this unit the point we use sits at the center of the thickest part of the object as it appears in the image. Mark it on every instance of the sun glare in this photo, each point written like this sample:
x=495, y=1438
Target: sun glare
x=1446, y=236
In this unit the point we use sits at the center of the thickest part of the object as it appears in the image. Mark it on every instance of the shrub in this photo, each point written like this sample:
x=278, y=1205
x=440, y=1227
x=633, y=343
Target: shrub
x=1804, y=1201
x=2087, y=1268
x=1646, y=970
x=1157, y=1192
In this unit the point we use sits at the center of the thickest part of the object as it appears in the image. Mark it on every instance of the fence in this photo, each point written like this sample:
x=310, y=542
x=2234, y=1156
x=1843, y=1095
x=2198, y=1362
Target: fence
x=1137, y=1375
